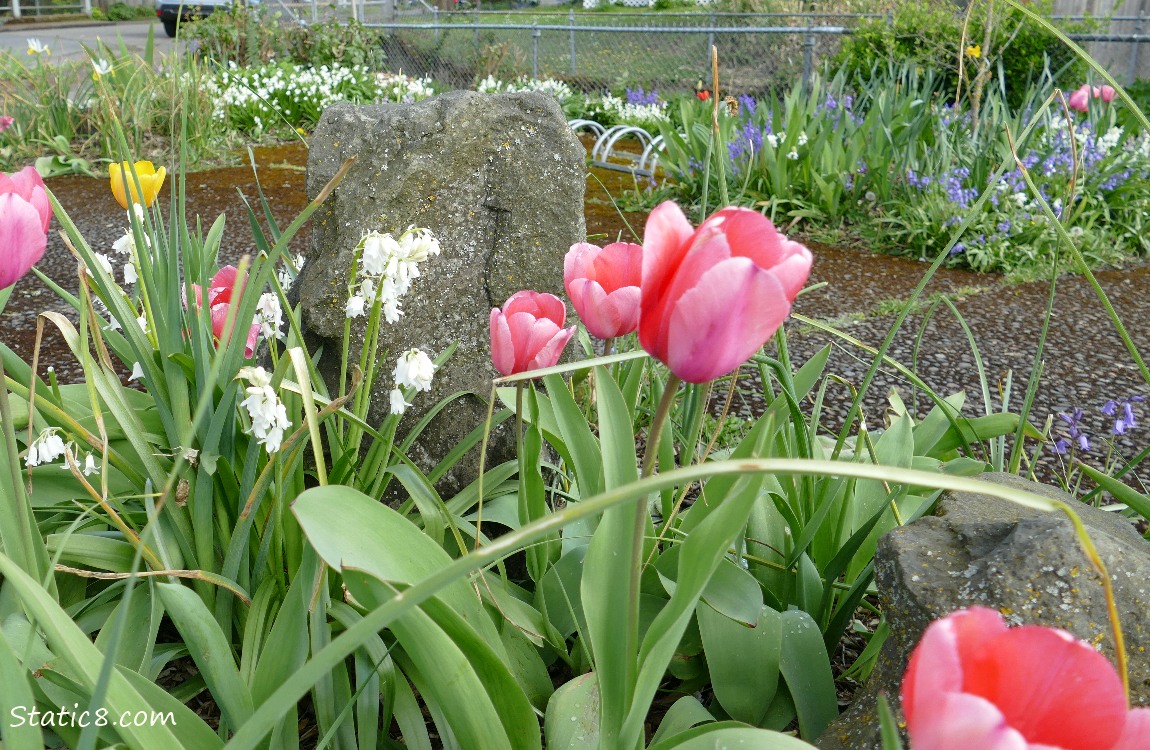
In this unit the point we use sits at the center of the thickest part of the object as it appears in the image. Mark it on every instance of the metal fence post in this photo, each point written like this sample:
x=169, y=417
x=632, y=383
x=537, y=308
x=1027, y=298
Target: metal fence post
x=314, y=11
x=808, y=58
x=1136, y=47
x=571, y=23
x=475, y=17
x=535, y=34
x=15, y=8
x=86, y=7
x=435, y=22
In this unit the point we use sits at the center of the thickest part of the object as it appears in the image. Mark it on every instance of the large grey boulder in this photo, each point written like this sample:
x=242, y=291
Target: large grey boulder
x=1027, y=564
x=499, y=180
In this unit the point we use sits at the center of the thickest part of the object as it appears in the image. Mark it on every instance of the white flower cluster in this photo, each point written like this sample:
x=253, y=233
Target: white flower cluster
x=633, y=114
x=46, y=448
x=556, y=88
x=255, y=98
x=267, y=412
x=413, y=370
x=269, y=316
x=387, y=267
x=397, y=87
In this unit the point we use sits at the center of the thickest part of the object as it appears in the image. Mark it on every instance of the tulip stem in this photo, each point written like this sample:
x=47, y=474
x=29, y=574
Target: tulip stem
x=641, y=509
x=661, y=412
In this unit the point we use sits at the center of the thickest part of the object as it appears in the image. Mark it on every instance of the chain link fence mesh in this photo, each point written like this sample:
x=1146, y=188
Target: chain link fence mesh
x=759, y=53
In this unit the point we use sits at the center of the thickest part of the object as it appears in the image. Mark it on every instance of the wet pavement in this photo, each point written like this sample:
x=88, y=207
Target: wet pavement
x=1085, y=363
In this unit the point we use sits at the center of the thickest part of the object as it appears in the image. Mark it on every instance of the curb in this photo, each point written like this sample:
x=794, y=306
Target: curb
x=77, y=24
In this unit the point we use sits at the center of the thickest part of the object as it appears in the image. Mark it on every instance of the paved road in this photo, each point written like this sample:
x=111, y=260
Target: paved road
x=67, y=42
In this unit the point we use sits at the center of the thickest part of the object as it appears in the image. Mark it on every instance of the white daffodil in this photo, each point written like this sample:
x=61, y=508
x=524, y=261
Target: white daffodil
x=100, y=68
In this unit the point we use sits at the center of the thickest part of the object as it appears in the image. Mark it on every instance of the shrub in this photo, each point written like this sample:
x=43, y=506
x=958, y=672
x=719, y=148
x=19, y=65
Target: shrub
x=929, y=34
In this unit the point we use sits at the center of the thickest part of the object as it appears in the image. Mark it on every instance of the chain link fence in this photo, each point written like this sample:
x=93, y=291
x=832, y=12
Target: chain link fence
x=592, y=51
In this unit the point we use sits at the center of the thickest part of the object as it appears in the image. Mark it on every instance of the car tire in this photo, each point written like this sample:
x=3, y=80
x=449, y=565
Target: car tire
x=170, y=28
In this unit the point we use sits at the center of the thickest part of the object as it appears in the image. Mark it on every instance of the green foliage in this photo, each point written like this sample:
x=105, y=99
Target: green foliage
x=119, y=11
x=251, y=34
x=929, y=34
x=895, y=161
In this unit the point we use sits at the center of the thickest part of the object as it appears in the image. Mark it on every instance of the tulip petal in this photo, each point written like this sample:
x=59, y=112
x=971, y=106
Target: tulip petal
x=502, y=348
x=549, y=355
x=960, y=721
x=619, y=265
x=749, y=234
x=529, y=335
x=1051, y=687
x=578, y=263
x=727, y=317
x=22, y=238
x=794, y=269
x=605, y=315
x=1136, y=732
x=253, y=340
x=665, y=243
x=30, y=186
x=536, y=304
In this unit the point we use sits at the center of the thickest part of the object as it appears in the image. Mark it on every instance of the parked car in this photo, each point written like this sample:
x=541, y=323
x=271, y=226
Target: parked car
x=170, y=12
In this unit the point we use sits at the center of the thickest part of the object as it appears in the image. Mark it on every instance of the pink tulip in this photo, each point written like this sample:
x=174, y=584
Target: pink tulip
x=603, y=284
x=528, y=332
x=712, y=296
x=973, y=682
x=24, y=218
x=219, y=302
x=28, y=184
x=1080, y=99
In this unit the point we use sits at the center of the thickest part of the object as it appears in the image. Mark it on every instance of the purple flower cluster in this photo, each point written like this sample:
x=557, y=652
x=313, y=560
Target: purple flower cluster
x=748, y=140
x=1074, y=433
x=640, y=97
x=839, y=109
x=1124, y=413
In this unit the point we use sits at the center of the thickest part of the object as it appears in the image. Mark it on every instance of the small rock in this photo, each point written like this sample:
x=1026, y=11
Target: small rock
x=1027, y=564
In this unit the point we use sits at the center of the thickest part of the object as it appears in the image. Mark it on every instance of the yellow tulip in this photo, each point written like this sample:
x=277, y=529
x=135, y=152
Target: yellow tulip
x=151, y=180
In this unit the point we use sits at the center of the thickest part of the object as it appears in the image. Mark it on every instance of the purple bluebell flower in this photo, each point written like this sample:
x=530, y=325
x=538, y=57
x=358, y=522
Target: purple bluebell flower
x=1074, y=432
x=640, y=97
x=1124, y=411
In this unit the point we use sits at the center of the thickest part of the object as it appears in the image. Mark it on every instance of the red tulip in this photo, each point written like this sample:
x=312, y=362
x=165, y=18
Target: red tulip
x=24, y=218
x=528, y=332
x=712, y=296
x=973, y=682
x=219, y=302
x=603, y=284
x=703, y=95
